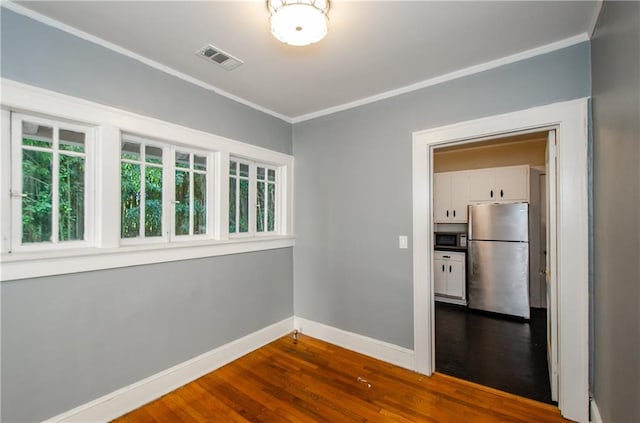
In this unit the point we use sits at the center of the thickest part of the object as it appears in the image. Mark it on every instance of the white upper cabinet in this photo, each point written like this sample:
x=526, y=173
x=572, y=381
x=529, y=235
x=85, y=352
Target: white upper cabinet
x=454, y=191
x=450, y=197
x=499, y=184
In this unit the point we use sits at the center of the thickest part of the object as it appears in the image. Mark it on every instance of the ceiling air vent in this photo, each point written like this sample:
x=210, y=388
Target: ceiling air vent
x=219, y=57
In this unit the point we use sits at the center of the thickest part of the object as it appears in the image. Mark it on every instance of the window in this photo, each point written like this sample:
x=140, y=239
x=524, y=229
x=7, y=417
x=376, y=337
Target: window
x=266, y=199
x=238, y=197
x=141, y=187
x=252, y=183
x=50, y=183
x=84, y=197
x=190, y=204
x=144, y=191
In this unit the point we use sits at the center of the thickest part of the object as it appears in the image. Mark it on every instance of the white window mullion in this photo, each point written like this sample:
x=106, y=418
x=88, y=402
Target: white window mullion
x=220, y=196
x=143, y=179
x=267, y=204
x=191, y=188
x=55, y=176
x=169, y=193
x=16, y=182
x=106, y=202
x=253, y=176
x=5, y=180
x=237, y=183
x=168, y=174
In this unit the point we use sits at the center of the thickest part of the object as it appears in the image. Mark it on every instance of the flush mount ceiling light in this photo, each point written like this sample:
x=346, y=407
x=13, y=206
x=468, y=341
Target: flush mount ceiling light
x=299, y=22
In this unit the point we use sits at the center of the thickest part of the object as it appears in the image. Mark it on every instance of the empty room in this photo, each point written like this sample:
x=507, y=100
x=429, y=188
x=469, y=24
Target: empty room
x=320, y=210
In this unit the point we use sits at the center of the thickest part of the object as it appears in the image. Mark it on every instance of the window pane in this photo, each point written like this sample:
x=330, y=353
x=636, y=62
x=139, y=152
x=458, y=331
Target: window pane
x=153, y=154
x=244, y=205
x=37, y=135
x=153, y=202
x=129, y=200
x=232, y=205
x=261, y=173
x=36, y=205
x=71, y=141
x=244, y=170
x=199, y=203
x=182, y=159
x=232, y=168
x=71, y=198
x=271, y=211
x=272, y=175
x=182, y=202
x=199, y=162
x=260, y=207
x=130, y=151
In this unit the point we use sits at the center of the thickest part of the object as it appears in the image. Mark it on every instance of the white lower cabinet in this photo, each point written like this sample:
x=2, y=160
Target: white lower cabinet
x=449, y=277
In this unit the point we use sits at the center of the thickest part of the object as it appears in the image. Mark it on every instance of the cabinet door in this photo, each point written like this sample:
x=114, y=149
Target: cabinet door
x=441, y=197
x=459, y=196
x=455, y=279
x=440, y=271
x=512, y=183
x=481, y=185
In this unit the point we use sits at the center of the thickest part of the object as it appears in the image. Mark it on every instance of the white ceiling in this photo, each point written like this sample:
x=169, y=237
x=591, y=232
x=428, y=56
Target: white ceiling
x=372, y=47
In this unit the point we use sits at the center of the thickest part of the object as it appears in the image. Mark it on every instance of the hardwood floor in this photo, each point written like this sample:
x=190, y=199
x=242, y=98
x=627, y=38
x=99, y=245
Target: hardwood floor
x=315, y=381
x=505, y=354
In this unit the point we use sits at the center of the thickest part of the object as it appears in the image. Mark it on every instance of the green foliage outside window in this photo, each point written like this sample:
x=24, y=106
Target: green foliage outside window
x=37, y=187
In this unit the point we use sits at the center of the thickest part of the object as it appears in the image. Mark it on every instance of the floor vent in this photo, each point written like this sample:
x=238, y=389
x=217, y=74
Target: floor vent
x=218, y=57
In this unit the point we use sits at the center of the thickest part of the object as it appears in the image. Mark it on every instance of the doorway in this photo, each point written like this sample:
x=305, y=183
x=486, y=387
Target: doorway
x=570, y=118
x=472, y=342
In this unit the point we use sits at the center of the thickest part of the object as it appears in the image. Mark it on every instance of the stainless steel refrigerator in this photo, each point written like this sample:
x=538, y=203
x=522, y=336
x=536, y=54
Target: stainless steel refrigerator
x=498, y=258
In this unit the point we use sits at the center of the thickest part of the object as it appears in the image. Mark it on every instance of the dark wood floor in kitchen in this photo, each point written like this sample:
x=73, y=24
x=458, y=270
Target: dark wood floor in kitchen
x=505, y=354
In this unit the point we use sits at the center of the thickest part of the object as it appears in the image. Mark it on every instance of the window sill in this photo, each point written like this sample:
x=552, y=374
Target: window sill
x=23, y=265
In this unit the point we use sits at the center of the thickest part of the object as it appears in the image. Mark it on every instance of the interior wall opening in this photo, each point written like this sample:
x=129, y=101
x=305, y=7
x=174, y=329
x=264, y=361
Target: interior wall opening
x=493, y=325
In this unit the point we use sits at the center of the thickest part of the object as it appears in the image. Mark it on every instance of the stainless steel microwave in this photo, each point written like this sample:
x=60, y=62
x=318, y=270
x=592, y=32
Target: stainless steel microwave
x=450, y=239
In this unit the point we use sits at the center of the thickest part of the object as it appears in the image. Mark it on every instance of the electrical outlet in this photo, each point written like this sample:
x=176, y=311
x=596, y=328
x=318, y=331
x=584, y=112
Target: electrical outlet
x=403, y=241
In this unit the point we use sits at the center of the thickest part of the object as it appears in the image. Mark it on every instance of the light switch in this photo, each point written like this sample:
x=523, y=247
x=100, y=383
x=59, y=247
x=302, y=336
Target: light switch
x=403, y=241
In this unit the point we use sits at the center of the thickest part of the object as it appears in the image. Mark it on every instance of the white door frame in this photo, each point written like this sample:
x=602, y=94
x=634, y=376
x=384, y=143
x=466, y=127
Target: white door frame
x=570, y=120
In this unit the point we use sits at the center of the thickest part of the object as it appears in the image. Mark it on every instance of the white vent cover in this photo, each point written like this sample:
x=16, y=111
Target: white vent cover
x=218, y=57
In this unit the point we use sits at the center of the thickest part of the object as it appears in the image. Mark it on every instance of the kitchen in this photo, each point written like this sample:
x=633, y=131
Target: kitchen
x=490, y=264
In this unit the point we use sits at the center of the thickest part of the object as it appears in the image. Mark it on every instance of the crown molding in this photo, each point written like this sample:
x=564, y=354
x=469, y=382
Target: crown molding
x=21, y=10
x=548, y=48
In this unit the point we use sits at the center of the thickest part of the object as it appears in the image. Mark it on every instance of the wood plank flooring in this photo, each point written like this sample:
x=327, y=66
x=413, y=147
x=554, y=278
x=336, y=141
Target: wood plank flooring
x=491, y=350
x=313, y=381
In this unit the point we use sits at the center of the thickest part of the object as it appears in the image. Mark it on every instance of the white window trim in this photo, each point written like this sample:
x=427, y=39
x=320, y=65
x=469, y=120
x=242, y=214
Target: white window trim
x=251, y=200
x=108, y=251
x=276, y=219
x=209, y=193
x=142, y=238
x=15, y=183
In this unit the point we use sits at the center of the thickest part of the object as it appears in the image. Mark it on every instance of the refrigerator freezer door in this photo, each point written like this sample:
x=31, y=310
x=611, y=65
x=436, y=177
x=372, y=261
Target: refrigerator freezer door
x=499, y=277
x=499, y=222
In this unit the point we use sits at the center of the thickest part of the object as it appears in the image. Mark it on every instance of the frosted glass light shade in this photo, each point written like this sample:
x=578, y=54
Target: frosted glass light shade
x=299, y=22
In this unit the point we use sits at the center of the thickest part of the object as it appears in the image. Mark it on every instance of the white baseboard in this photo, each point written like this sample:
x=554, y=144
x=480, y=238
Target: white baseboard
x=124, y=400
x=595, y=413
x=133, y=396
x=381, y=350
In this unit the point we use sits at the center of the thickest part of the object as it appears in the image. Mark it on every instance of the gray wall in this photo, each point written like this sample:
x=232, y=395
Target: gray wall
x=353, y=188
x=69, y=339
x=616, y=123
x=40, y=55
